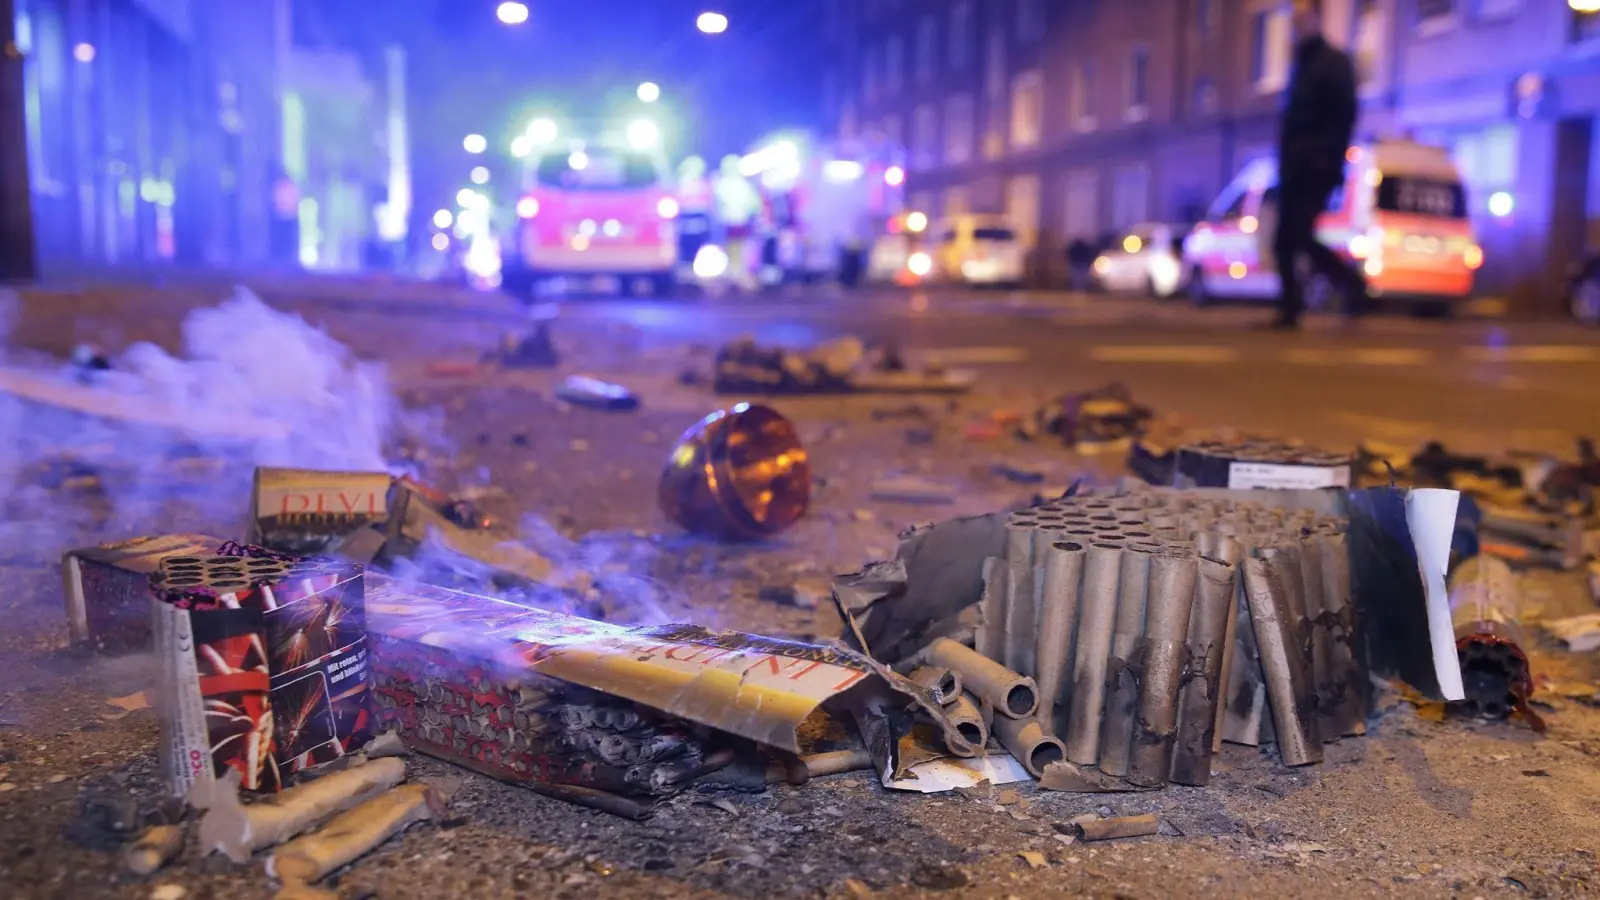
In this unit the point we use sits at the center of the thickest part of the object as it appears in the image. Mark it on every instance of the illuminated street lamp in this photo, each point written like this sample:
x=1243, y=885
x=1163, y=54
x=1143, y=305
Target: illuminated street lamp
x=712, y=23
x=474, y=143
x=512, y=13
x=480, y=175
x=649, y=92
x=643, y=134
x=1584, y=6
x=521, y=146
x=542, y=131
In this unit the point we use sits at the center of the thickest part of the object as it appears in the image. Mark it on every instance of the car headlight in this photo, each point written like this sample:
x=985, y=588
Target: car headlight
x=920, y=264
x=710, y=261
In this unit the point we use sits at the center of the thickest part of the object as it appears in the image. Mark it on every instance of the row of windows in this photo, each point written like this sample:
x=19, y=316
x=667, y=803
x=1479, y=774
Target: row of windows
x=883, y=66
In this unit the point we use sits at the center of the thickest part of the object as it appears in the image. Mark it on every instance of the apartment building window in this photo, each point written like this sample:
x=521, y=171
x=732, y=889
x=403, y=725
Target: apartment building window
x=925, y=137
x=1205, y=96
x=960, y=49
x=958, y=129
x=1027, y=109
x=1130, y=196
x=1080, y=97
x=927, y=46
x=894, y=65
x=1270, y=49
x=1433, y=13
x=869, y=75
x=1081, y=209
x=1030, y=20
x=1367, y=44
x=894, y=131
x=1205, y=13
x=994, y=75
x=957, y=202
x=1138, y=105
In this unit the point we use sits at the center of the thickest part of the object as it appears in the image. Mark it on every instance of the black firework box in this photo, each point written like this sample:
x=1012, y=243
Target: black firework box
x=263, y=665
x=308, y=511
x=107, y=588
x=528, y=695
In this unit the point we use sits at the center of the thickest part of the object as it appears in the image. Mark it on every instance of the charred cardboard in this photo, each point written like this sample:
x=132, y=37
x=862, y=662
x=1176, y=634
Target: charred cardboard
x=107, y=588
x=274, y=683
x=480, y=658
x=309, y=511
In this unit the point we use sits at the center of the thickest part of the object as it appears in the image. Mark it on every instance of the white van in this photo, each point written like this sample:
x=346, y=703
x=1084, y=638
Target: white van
x=1401, y=215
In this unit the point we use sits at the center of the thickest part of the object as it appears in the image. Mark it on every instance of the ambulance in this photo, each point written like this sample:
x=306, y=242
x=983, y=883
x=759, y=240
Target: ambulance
x=1401, y=215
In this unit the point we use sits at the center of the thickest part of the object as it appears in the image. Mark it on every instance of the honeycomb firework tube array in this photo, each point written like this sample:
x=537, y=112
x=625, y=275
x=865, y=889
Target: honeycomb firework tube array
x=1144, y=647
x=263, y=665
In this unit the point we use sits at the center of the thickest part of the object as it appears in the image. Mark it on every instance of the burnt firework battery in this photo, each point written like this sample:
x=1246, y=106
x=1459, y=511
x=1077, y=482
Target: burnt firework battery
x=1282, y=661
x=1097, y=610
x=1125, y=669
x=1202, y=685
x=1059, y=600
x=1349, y=685
x=1021, y=611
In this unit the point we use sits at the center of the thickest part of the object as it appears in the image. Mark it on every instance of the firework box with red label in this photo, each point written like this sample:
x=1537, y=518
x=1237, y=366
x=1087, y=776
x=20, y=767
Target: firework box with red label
x=309, y=511
x=107, y=588
x=506, y=689
x=263, y=666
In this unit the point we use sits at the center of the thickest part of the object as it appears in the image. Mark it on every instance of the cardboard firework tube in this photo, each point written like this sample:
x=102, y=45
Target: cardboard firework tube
x=1058, y=623
x=238, y=831
x=944, y=684
x=1282, y=662
x=154, y=849
x=1164, y=654
x=1231, y=551
x=1348, y=687
x=836, y=762
x=1321, y=638
x=1027, y=740
x=1022, y=612
x=1202, y=687
x=1097, y=611
x=989, y=637
x=1120, y=827
x=353, y=834
x=1124, y=669
x=966, y=715
x=1013, y=696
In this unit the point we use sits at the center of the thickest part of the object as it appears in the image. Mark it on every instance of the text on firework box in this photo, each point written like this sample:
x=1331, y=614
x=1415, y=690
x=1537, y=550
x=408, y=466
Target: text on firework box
x=107, y=588
x=309, y=511
x=263, y=666
x=453, y=671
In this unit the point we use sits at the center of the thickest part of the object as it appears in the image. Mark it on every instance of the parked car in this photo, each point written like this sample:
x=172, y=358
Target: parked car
x=1148, y=259
x=978, y=250
x=1401, y=214
x=1583, y=291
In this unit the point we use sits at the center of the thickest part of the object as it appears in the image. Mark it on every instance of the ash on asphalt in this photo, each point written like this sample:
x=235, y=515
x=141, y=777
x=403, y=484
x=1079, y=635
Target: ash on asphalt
x=1417, y=808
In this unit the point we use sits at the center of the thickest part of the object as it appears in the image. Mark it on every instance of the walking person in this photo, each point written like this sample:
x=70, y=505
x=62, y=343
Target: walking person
x=1319, y=117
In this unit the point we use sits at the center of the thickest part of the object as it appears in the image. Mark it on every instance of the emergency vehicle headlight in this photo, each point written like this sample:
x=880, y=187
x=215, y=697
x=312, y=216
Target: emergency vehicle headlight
x=527, y=208
x=710, y=261
x=1102, y=265
x=842, y=170
x=1360, y=246
x=667, y=208
x=1472, y=257
x=916, y=222
x=919, y=264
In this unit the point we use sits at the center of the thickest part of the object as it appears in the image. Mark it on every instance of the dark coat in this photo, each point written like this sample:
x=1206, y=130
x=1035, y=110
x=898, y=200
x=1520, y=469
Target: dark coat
x=1319, y=114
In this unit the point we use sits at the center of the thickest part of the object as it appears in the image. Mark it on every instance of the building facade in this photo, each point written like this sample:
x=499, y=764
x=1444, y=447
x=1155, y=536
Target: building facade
x=1079, y=118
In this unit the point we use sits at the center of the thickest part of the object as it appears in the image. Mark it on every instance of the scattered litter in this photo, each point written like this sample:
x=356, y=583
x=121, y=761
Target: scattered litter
x=1119, y=827
x=1580, y=634
x=842, y=366
x=153, y=849
x=1485, y=602
x=351, y=835
x=169, y=892
x=725, y=805
x=56, y=779
x=709, y=490
x=1033, y=858
x=911, y=489
x=1018, y=474
x=1100, y=416
x=131, y=703
x=1536, y=773
x=582, y=390
x=386, y=744
x=534, y=350
x=238, y=830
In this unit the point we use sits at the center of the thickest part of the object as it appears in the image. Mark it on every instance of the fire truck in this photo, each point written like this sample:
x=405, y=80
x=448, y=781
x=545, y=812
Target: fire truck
x=824, y=204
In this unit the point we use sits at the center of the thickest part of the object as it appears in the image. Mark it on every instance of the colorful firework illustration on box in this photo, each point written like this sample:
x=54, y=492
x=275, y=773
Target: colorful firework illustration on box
x=279, y=663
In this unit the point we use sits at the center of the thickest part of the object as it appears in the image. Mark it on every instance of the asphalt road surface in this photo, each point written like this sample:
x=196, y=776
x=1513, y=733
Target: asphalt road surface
x=1417, y=808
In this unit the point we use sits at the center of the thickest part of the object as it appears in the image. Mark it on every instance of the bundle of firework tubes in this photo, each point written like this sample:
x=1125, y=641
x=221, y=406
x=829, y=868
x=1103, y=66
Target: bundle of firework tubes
x=1112, y=627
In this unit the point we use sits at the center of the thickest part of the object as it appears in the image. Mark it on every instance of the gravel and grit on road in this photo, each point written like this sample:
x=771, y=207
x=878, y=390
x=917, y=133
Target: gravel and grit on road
x=1417, y=808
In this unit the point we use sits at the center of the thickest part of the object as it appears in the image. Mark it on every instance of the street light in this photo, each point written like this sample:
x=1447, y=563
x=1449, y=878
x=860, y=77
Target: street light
x=480, y=175
x=474, y=143
x=443, y=218
x=521, y=146
x=512, y=13
x=643, y=134
x=542, y=131
x=649, y=92
x=712, y=23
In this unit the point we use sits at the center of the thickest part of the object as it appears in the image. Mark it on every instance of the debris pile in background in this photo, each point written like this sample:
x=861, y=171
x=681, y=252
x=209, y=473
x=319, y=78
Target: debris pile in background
x=1091, y=420
x=1535, y=510
x=846, y=365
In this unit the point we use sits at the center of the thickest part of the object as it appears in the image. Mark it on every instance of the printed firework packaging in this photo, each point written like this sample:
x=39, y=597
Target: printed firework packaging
x=108, y=588
x=263, y=665
x=522, y=694
x=308, y=511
